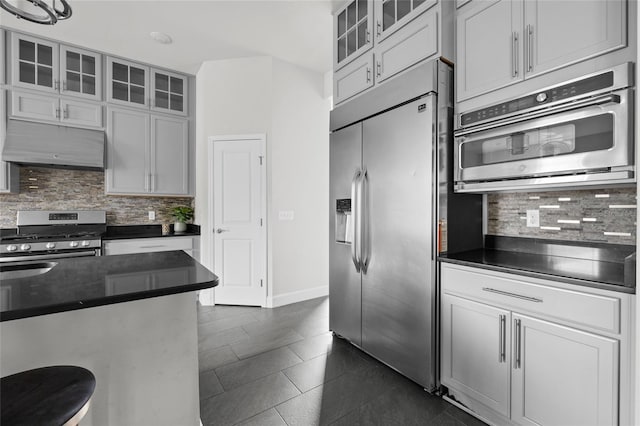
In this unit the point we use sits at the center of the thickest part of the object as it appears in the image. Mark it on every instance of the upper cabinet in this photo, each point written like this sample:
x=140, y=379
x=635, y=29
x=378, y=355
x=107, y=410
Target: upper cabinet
x=377, y=39
x=55, y=68
x=133, y=84
x=393, y=14
x=501, y=42
x=352, y=26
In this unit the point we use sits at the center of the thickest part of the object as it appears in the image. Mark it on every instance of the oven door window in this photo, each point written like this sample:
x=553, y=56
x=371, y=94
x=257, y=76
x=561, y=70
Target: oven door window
x=583, y=135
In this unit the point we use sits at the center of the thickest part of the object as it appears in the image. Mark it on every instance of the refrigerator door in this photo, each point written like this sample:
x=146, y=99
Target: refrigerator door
x=344, y=279
x=398, y=292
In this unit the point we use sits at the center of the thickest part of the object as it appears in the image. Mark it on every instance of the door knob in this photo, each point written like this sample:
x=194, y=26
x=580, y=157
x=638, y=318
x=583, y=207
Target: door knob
x=220, y=230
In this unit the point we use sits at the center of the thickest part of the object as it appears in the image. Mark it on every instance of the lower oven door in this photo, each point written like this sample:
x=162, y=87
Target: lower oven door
x=588, y=141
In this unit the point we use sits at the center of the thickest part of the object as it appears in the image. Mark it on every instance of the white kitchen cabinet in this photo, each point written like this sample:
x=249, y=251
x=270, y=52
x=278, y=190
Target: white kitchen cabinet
x=147, y=154
x=391, y=15
x=488, y=46
x=353, y=78
x=54, y=109
x=562, y=376
x=475, y=340
x=414, y=42
x=169, y=92
x=502, y=42
x=352, y=31
x=54, y=68
x=521, y=351
x=169, y=155
x=127, y=83
x=150, y=245
x=9, y=172
x=558, y=33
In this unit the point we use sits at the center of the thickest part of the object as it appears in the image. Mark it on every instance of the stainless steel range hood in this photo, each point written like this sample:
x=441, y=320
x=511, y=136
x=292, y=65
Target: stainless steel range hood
x=51, y=145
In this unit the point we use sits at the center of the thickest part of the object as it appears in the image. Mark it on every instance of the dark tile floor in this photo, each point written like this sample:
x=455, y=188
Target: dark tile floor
x=282, y=366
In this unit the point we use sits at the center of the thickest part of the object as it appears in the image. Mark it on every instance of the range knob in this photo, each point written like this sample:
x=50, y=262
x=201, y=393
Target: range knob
x=85, y=244
x=73, y=244
x=25, y=247
x=50, y=246
x=12, y=247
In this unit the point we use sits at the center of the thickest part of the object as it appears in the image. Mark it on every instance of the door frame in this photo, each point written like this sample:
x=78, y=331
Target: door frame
x=262, y=138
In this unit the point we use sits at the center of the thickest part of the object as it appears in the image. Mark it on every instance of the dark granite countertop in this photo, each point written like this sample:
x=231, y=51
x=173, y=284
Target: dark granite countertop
x=85, y=282
x=123, y=232
x=592, y=265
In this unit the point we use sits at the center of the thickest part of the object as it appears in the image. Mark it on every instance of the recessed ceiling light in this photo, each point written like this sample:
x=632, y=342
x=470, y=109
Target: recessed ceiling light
x=161, y=37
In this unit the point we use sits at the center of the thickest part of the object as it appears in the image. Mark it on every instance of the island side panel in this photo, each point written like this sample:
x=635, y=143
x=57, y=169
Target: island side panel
x=143, y=353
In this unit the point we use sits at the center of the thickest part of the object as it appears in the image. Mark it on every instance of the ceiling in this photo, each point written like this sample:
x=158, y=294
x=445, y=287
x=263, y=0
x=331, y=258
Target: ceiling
x=295, y=31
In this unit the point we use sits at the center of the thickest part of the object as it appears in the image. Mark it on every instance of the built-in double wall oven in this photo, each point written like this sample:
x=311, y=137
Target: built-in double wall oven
x=578, y=133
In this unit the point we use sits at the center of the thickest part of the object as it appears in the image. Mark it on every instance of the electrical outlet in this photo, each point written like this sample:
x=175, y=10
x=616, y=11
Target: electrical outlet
x=533, y=218
x=285, y=215
x=152, y=215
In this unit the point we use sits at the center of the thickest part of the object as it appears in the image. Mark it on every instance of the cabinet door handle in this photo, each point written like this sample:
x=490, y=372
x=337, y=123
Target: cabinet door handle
x=514, y=54
x=518, y=344
x=57, y=112
x=509, y=294
x=378, y=68
x=368, y=75
x=378, y=28
x=64, y=85
x=56, y=84
x=530, y=48
x=502, y=356
x=65, y=113
x=368, y=36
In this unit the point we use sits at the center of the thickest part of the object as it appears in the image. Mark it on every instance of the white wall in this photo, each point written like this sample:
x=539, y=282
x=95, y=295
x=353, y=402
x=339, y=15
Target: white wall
x=288, y=104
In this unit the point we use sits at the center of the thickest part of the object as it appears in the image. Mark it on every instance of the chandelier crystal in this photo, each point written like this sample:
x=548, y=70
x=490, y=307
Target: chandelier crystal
x=45, y=12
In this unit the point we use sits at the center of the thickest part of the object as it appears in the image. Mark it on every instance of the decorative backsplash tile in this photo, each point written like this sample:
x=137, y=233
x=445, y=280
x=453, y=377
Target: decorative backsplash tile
x=62, y=189
x=586, y=215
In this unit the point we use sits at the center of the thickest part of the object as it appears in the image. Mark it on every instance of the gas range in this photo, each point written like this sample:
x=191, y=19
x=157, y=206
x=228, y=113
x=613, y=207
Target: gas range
x=54, y=234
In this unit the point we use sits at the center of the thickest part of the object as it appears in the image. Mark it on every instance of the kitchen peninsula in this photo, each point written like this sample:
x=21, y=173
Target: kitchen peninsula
x=130, y=319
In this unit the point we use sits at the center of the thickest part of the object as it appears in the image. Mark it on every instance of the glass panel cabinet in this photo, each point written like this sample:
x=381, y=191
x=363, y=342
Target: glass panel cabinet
x=55, y=68
x=168, y=92
x=127, y=83
x=352, y=31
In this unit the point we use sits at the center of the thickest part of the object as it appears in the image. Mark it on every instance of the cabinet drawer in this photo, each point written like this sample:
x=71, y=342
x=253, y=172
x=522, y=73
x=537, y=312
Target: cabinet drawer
x=517, y=293
x=147, y=245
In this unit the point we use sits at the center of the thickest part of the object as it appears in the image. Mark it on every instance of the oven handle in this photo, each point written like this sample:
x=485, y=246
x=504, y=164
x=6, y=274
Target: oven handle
x=47, y=256
x=600, y=100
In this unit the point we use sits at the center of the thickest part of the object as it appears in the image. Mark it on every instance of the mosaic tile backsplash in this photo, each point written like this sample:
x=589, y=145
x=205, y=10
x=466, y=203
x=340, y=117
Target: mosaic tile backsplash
x=607, y=216
x=62, y=189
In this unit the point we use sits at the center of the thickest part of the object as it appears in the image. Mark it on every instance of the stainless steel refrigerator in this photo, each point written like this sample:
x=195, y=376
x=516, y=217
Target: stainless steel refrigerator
x=389, y=199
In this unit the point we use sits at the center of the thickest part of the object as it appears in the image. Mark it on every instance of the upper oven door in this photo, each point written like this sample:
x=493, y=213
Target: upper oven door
x=588, y=135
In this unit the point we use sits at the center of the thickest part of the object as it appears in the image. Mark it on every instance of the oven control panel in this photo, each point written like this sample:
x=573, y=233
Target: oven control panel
x=536, y=100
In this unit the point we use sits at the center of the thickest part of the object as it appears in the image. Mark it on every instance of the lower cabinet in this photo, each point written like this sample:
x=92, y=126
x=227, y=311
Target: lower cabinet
x=513, y=360
x=190, y=245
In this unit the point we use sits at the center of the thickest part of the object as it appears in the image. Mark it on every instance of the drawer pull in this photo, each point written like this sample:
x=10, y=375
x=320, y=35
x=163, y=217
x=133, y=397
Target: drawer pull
x=518, y=296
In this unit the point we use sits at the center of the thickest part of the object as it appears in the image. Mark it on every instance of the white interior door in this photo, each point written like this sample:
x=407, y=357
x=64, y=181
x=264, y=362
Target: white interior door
x=239, y=230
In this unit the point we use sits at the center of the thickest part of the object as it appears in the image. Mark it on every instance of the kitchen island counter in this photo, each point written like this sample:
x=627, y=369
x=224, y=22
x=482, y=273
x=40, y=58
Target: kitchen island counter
x=104, y=314
x=85, y=282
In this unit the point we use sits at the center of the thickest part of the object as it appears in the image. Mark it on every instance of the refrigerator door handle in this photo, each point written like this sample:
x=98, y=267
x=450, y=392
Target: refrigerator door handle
x=356, y=220
x=362, y=222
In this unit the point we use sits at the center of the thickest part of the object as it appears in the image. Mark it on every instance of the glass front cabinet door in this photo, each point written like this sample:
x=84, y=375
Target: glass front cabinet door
x=393, y=14
x=352, y=31
x=81, y=73
x=127, y=83
x=168, y=92
x=34, y=64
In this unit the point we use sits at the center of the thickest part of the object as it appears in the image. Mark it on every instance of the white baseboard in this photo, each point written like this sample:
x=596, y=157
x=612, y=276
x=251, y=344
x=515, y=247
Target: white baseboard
x=297, y=296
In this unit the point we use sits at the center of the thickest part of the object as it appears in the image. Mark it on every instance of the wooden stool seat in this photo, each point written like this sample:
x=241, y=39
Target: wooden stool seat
x=57, y=395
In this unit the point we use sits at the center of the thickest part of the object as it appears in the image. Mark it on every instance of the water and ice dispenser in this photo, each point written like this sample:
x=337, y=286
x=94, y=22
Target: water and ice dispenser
x=344, y=221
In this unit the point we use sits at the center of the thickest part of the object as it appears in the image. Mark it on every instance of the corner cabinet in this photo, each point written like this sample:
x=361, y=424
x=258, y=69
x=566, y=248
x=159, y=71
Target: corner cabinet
x=524, y=351
x=376, y=40
x=501, y=42
x=147, y=154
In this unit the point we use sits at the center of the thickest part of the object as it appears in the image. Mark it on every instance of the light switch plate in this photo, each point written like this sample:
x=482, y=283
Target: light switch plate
x=285, y=215
x=533, y=218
